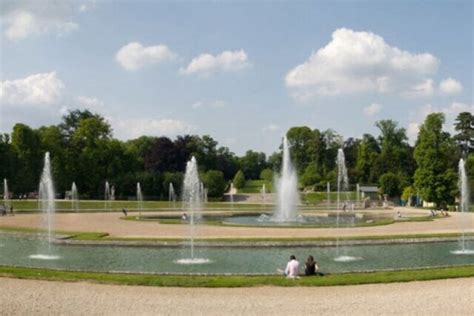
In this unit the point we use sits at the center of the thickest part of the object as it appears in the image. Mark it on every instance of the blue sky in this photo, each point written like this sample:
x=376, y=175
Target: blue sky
x=242, y=72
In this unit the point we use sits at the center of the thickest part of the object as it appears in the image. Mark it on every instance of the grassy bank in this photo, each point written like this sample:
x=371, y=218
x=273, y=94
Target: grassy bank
x=238, y=281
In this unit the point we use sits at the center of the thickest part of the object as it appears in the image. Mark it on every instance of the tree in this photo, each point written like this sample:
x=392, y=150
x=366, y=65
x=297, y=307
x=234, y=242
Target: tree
x=267, y=175
x=215, y=183
x=26, y=146
x=310, y=175
x=239, y=180
x=464, y=125
x=367, y=154
x=302, y=144
x=390, y=184
x=435, y=177
x=162, y=156
x=252, y=164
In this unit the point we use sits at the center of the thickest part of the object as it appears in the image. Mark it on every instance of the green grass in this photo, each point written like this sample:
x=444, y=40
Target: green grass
x=255, y=186
x=318, y=197
x=238, y=281
x=98, y=206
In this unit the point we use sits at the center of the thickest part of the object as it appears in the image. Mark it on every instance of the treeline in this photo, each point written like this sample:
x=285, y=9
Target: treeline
x=83, y=150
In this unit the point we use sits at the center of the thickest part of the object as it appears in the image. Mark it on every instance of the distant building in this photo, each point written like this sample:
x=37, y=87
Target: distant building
x=368, y=191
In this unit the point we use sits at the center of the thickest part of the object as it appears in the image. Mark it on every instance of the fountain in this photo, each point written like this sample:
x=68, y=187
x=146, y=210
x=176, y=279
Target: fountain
x=287, y=189
x=342, y=186
x=139, y=199
x=264, y=194
x=74, y=197
x=6, y=194
x=106, y=195
x=171, y=195
x=46, y=198
x=328, y=190
x=463, y=208
x=358, y=194
x=192, y=200
x=231, y=193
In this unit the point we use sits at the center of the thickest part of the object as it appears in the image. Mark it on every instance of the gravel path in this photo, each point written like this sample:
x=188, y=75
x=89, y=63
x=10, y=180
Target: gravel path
x=112, y=224
x=441, y=297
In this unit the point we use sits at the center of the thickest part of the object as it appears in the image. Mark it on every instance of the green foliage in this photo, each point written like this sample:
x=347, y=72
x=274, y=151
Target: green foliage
x=252, y=164
x=239, y=180
x=390, y=184
x=435, y=177
x=464, y=125
x=408, y=192
x=267, y=175
x=255, y=186
x=215, y=183
x=310, y=175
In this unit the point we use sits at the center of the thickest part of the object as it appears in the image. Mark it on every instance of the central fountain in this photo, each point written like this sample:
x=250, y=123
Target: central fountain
x=74, y=197
x=46, y=199
x=287, y=189
x=192, y=201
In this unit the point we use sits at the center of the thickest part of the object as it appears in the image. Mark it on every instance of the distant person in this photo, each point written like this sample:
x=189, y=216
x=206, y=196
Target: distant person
x=292, y=268
x=11, y=210
x=124, y=211
x=184, y=217
x=344, y=206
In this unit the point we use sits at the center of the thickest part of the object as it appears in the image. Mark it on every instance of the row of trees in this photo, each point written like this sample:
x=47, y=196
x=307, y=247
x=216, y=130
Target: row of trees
x=83, y=150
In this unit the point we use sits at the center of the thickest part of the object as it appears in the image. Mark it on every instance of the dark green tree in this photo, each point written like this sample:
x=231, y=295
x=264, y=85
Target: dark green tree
x=215, y=183
x=435, y=178
x=390, y=184
x=464, y=126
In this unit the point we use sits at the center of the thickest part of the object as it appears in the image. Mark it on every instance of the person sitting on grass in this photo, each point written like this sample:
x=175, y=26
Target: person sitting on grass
x=292, y=268
x=311, y=267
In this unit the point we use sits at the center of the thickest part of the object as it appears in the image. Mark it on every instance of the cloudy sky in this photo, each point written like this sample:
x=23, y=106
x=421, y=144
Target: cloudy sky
x=241, y=72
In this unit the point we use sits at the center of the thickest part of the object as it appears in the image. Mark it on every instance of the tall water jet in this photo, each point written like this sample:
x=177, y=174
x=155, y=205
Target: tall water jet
x=264, y=193
x=139, y=199
x=46, y=198
x=463, y=207
x=342, y=186
x=171, y=195
x=6, y=194
x=358, y=194
x=342, y=179
x=192, y=200
x=106, y=195
x=231, y=193
x=287, y=189
x=74, y=197
x=328, y=192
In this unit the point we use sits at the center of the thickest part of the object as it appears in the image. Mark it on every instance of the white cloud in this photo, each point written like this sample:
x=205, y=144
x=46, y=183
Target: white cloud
x=355, y=62
x=134, y=55
x=24, y=18
x=90, y=103
x=136, y=127
x=215, y=104
x=412, y=131
x=450, y=86
x=38, y=89
x=424, y=89
x=372, y=109
x=228, y=61
x=271, y=128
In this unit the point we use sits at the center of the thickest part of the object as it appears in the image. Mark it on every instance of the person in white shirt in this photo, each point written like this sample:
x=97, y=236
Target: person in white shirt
x=292, y=268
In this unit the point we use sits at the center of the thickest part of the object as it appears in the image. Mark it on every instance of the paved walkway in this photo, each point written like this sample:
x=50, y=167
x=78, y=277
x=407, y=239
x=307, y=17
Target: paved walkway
x=440, y=297
x=112, y=224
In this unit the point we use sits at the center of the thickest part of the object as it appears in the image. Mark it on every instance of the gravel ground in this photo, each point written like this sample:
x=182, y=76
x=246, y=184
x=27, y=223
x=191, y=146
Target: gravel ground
x=112, y=224
x=441, y=297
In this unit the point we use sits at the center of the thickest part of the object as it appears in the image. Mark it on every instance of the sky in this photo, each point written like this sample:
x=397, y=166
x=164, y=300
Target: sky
x=241, y=71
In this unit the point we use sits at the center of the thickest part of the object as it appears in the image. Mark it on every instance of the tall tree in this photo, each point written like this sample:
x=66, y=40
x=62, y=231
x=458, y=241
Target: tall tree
x=464, y=126
x=435, y=178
